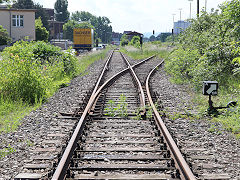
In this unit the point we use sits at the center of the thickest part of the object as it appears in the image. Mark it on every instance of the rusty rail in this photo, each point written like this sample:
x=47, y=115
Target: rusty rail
x=140, y=89
x=185, y=170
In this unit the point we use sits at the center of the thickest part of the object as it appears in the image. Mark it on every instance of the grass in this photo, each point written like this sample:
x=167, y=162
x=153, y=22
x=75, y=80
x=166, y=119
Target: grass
x=11, y=112
x=86, y=60
x=149, y=49
x=228, y=118
x=5, y=151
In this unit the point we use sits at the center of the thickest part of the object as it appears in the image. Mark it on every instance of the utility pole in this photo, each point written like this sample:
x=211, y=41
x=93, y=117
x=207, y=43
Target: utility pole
x=180, y=22
x=205, y=5
x=197, y=8
x=180, y=9
x=190, y=8
x=173, y=28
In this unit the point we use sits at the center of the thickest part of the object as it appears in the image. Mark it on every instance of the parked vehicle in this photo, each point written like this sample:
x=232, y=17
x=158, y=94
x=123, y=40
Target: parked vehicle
x=83, y=39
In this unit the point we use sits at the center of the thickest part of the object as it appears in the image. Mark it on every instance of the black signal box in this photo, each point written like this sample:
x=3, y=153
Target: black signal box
x=210, y=88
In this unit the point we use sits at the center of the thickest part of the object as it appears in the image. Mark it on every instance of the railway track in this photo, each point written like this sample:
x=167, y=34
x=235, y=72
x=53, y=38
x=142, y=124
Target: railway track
x=117, y=137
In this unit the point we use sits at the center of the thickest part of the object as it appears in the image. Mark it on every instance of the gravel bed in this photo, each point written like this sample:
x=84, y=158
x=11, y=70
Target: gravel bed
x=212, y=155
x=41, y=132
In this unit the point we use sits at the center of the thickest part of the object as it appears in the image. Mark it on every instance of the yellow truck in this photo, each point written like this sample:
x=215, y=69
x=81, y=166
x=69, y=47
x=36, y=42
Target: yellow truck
x=83, y=39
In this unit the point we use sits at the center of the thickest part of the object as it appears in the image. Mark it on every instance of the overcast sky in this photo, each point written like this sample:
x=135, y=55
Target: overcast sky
x=137, y=15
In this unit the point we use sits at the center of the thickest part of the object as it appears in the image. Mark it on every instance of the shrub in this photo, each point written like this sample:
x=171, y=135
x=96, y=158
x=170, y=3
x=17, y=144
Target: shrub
x=135, y=42
x=29, y=68
x=124, y=40
x=41, y=32
x=4, y=38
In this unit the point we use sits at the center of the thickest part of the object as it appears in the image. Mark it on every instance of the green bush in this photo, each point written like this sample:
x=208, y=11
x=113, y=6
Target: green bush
x=41, y=32
x=4, y=37
x=135, y=42
x=181, y=63
x=124, y=40
x=28, y=70
x=209, y=47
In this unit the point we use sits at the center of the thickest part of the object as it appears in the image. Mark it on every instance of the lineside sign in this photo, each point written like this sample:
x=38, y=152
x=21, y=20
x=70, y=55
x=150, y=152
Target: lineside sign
x=210, y=88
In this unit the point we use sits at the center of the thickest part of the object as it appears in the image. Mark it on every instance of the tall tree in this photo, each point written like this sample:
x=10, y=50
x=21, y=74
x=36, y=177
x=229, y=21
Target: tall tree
x=23, y=4
x=61, y=11
x=42, y=14
x=41, y=32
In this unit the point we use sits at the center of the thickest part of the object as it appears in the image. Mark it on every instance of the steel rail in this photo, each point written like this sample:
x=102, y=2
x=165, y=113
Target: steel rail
x=62, y=166
x=61, y=169
x=185, y=170
x=140, y=89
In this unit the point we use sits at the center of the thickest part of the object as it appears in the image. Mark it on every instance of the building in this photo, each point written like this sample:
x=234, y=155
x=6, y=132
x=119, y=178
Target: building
x=131, y=34
x=20, y=23
x=116, y=38
x=180, y=26
x=55, y=27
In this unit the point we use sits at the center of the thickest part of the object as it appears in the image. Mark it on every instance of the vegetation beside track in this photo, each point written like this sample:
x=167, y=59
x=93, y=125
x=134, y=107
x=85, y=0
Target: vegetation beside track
x=209, y=50
x=149, y=49
x=31, y=72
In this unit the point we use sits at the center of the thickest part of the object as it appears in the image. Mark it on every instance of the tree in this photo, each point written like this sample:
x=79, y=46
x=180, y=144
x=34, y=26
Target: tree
x=124, y=40
x=82, y=16
x=135, y=41
x=41, y=32
x=152, y=38
x=4, y=38
x=62, y=13
x=23, y=4
x=70, y=25
x=163, y=36
x=42, y=14
x=103, y=29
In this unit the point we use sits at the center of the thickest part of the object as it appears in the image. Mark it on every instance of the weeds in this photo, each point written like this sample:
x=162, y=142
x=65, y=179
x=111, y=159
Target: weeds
x=111, y=108
x=6, y=151
x=148, y=50
x=120, y=108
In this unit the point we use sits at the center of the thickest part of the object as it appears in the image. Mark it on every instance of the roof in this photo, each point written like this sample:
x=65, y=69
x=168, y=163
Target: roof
x=134, y=34
x=126, y=32
x=7, y=8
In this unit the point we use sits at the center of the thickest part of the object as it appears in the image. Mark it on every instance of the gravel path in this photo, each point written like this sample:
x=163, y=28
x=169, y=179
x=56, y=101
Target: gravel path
x=41, y=132
x=213, y=155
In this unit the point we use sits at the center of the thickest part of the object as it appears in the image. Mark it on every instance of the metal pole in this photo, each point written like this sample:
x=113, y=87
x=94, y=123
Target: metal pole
x=190, y=8
x=197, y=8
x=180, y=9
x=173, y=27
x=205, y=5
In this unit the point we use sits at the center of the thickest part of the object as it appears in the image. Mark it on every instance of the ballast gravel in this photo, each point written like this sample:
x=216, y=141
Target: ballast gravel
x=41, y=133
x=212, y=155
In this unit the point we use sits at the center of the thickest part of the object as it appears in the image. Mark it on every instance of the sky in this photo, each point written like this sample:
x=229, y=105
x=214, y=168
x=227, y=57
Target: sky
x=138, y=15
